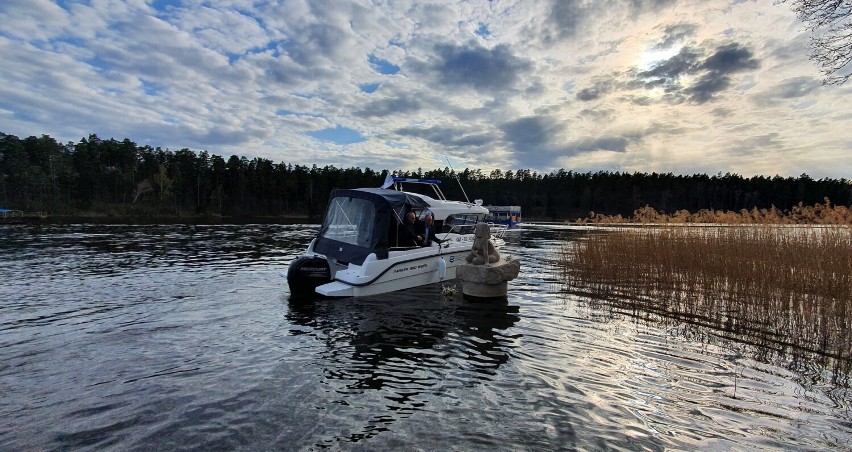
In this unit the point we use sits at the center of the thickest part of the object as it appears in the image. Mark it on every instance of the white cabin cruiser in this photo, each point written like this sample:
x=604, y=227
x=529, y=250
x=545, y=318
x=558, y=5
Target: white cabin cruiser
x=359, y=249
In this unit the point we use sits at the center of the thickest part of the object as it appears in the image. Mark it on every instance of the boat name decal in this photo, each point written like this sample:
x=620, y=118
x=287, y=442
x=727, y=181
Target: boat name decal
x=413, y=267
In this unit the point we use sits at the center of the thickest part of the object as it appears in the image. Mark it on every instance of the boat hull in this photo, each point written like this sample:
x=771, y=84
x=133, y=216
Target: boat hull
x=394, y=274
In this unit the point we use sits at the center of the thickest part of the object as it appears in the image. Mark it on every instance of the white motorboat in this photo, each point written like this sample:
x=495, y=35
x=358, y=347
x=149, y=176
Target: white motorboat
x=358, y=250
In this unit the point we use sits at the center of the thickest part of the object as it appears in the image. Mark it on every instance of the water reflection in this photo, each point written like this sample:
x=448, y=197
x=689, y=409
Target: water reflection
x=784, y=338
x=186, y=336
x=406, y=349
x=780, y=320
x=106, y=250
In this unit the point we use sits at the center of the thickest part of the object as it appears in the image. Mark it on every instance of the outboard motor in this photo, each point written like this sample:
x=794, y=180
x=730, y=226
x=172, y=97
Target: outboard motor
x=307, y=273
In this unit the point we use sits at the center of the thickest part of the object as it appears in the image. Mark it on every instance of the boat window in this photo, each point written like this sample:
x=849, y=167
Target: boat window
x=350, y=220
x=467, y=218
x=463, y=223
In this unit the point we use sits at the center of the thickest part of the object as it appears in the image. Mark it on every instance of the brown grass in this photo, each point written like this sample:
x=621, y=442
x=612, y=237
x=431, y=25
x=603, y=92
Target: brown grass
x=789, y=288
x=800, y=214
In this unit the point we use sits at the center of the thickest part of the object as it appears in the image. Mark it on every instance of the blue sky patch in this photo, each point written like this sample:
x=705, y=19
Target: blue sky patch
x=97, y=63
x=160, y=5
x=151, y=89
x=369, y=87
x=233, y=57
x=483, y=31
x=383, y=66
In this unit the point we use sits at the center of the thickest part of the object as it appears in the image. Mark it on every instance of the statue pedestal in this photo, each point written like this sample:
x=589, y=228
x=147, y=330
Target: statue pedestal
x=487, y=281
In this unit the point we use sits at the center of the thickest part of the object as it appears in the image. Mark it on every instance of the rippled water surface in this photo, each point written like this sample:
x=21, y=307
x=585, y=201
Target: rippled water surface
x=163, y=337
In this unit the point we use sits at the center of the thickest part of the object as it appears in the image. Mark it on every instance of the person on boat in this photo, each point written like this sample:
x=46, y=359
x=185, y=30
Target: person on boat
x=408, y=235
x=428, y=232
x=448, y=224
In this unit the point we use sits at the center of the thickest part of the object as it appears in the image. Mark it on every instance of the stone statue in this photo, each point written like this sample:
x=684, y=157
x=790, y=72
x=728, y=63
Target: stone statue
x=483, y=251
x=486, y=275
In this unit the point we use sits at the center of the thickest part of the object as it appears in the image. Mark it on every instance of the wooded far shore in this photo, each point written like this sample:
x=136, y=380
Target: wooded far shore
x=111, y=181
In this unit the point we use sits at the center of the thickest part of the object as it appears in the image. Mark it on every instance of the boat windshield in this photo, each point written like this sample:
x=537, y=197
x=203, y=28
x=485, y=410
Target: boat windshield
x=350, y=220
x=462, y=223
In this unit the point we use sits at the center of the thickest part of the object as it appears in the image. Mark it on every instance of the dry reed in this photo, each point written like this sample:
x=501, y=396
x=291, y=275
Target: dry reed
x=786, y=288
x=799, y=214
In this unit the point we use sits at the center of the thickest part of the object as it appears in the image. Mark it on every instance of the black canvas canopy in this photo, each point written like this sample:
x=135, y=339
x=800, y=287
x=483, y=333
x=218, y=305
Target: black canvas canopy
x=362, y=221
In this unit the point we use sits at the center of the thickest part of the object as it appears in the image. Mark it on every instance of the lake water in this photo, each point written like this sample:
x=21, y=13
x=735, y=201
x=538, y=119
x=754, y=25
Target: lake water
x=164, y=337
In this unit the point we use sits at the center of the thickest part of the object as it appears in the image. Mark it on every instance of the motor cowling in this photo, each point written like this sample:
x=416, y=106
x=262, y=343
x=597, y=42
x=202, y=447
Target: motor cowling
x=306, y=273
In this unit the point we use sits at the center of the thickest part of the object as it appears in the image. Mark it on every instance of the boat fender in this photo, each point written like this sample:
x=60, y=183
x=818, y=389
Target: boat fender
x=442, y=268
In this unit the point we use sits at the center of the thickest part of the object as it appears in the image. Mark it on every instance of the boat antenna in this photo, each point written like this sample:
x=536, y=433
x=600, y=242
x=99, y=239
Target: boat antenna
x=457, y=179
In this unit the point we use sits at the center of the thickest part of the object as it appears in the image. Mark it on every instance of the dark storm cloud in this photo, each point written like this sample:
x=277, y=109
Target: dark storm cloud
x=713, y=73
x=731, y=58
x=727, y=59
x=708, y=85
x=685, y=62
x=611, y=143
x=447, y=136
x=595, y=92
x=390, y=106
x=537, y=141
x=532, y=132
x=542, y=158
x=485, y=70
x=288, y=73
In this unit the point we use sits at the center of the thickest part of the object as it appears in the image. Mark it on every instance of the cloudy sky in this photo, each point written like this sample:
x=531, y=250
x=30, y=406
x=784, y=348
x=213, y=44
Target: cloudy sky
x=682, y=86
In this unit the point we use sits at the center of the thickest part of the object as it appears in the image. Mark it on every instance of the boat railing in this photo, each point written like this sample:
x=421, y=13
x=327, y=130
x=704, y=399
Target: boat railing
x=497, y=230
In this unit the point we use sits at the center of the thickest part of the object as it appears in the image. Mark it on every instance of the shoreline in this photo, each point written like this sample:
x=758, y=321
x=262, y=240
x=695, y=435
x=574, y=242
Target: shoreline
x=129, y=220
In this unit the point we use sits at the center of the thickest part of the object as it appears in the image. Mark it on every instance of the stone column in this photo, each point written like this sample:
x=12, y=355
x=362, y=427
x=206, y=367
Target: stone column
x=486, y=274
x=488, y=281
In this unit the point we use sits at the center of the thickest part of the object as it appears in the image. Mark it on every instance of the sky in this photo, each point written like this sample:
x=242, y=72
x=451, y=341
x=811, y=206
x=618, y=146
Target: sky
x=668, y=86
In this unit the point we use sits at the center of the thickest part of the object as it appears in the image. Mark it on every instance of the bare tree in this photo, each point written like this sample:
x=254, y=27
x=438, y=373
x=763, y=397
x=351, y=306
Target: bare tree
x=831, y=43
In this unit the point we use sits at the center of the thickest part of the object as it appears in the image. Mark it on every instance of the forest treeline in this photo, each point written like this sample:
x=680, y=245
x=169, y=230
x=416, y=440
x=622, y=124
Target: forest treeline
x=112, y=178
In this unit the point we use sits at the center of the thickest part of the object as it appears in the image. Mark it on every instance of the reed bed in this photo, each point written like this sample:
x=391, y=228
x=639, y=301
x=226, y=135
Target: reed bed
x=825, y=213
x=785, y=288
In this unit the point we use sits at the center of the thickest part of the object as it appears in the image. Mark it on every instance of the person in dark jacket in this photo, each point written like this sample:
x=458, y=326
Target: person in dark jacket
x=427, y=232
x=408, y=235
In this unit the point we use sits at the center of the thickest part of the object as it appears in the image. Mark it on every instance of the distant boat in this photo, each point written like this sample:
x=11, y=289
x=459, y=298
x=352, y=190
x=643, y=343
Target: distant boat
x=506, y=215
x=8, y=216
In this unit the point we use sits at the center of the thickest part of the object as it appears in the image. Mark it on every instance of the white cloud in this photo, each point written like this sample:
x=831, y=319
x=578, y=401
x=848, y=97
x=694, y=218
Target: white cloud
x=33, y=20
x=684, y=86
